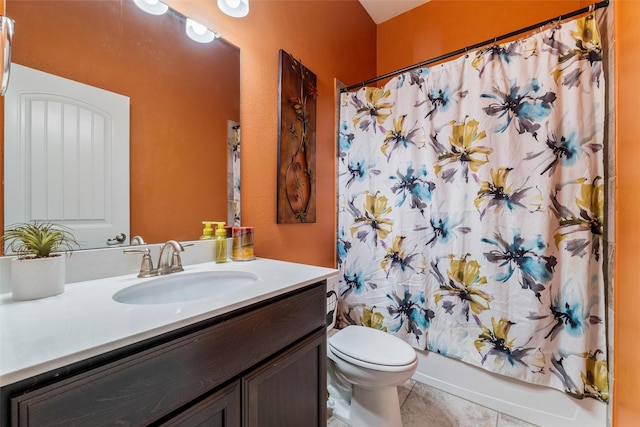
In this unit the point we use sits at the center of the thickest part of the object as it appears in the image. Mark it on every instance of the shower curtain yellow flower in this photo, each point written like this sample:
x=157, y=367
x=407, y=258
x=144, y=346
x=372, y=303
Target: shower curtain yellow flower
x=590, y=216
x=373, y=319
x=595, y=378
x=592, y=200
x=463, y=148
x=372, y=108
x=497, y=336
x=465, y=272
x=496, y=188
x=587, y=35
x=463, y=281
x=394, y=253
x=397, y=258
x=374, y=217
x=587, y=47
x=398, y=136
x=498, y=193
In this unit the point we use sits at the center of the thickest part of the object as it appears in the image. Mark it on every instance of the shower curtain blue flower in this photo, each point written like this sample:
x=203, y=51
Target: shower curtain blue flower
x=471, y=209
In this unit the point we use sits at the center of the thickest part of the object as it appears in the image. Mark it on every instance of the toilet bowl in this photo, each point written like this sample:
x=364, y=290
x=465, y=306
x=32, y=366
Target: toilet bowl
x=364, y=368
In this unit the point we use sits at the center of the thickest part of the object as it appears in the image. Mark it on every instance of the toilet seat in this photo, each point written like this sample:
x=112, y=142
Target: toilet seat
x=373, y=349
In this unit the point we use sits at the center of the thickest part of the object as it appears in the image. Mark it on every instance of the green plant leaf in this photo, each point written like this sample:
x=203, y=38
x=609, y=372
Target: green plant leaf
x=39, y=239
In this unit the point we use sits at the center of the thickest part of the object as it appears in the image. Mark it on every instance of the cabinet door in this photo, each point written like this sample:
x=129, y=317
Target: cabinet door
x=221, y=409
x=290, y=389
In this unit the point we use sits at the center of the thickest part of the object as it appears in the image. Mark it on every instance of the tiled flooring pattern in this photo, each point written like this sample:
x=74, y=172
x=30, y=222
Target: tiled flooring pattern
x=425, y=406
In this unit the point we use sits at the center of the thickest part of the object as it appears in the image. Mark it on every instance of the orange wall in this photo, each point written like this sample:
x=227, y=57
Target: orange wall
x=441, y=26
x=174, y=123
x=626, y=397
x=333, y=39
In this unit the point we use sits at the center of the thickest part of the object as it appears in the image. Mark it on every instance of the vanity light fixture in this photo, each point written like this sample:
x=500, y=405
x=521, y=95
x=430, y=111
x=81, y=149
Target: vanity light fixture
x=199, y=33
x=154, y=7
x=235, y=8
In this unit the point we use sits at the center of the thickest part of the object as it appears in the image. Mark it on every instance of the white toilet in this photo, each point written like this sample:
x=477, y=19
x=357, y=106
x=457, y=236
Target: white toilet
x=364, y=368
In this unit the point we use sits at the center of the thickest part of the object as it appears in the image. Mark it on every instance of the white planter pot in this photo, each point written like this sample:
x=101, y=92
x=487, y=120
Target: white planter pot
x=37, y=278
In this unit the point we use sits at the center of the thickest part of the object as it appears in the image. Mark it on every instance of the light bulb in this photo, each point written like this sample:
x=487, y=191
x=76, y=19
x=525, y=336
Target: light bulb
x=198, y=28
x=235, y=8
x=198, y=32
x=154, y=7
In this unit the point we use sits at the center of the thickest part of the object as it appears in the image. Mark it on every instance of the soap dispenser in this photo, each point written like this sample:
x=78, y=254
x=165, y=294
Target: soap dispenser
x=207, y=231
x=221, y=243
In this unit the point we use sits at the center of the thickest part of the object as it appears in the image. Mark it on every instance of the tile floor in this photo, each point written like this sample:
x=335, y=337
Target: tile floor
x=423, y=406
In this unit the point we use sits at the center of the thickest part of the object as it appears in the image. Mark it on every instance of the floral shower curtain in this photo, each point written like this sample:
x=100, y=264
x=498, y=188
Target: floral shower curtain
x=471, y=209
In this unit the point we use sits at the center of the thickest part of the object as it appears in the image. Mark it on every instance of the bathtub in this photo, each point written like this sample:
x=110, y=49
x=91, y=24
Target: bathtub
x=535, y=404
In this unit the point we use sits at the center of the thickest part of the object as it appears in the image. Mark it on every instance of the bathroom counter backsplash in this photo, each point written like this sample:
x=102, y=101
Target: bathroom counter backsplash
x=40, y=335
x=90, y=264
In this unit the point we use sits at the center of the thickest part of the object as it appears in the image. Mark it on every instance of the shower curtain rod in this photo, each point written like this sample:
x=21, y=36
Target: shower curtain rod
x=591, y=8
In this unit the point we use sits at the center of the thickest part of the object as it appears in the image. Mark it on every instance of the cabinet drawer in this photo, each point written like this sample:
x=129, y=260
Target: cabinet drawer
x=146, y=386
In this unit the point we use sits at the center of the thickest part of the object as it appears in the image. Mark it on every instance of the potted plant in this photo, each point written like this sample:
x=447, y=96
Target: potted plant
x=38, y=271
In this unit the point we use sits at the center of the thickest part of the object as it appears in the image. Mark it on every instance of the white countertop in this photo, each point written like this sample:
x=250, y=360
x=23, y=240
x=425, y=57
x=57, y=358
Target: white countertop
x=84, y=321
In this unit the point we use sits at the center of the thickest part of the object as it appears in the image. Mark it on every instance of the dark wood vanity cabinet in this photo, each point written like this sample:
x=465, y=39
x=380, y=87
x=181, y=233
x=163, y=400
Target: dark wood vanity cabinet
x=262, y=365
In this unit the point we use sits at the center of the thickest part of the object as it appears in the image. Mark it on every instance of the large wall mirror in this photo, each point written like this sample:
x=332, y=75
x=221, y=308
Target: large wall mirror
x=184, y=101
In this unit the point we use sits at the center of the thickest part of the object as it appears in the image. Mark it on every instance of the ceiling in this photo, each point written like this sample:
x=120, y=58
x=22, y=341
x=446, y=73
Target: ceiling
x=382, y=10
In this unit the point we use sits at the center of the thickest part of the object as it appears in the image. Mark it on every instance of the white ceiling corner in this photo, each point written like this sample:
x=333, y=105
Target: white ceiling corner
x=383, y=10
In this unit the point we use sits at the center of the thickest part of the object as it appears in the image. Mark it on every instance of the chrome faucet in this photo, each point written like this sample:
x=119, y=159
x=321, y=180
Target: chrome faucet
x=137, y=240
x=146, y=268
x=164, y=265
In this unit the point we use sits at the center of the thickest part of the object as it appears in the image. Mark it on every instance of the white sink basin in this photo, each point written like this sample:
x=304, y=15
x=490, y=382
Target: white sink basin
x=185, y=287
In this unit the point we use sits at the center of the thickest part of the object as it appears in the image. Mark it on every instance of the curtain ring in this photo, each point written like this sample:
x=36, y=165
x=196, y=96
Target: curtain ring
x=591, y=9
x=466, y=51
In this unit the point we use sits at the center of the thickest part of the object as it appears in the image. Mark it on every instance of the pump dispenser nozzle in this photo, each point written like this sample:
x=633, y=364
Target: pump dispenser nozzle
x=207, y=231
x=221, y=242
x=220, y=230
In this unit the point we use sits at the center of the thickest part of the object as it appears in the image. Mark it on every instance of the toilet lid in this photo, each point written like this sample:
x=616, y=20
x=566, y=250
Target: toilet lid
x=372, y=346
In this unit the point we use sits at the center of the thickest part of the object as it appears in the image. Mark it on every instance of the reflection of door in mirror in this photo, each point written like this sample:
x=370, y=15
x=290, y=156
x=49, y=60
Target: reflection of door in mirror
x=183, y=94
x=69, y=145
